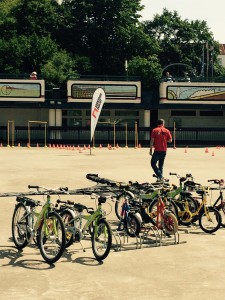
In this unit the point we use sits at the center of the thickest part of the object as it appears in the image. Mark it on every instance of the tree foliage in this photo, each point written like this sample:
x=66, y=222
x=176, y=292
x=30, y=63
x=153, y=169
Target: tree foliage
x=181, y=41
x=97, y=37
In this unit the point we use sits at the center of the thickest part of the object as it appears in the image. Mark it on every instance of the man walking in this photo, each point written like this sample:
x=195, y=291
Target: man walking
x=160, y=136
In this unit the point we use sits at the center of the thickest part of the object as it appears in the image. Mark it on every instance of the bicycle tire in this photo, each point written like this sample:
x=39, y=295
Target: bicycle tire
x=20, y=234
x=68, y=221
x=132, y=225
x=52, y=238
x=170, y=223
x=101, y=239
x=212, y=225
x=119, y=203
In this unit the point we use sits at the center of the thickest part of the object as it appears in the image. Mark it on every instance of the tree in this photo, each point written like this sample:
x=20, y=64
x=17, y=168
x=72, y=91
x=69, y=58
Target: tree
x=56, y=69
x=180, y=41
x=101, y=30
x=148, y=69
x=36, y=17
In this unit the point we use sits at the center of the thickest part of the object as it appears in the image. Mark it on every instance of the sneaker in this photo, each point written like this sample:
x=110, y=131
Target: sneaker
x=165, y=179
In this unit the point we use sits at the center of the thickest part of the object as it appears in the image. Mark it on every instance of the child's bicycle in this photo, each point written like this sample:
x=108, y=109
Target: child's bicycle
x=208, y=216
x=130, y=222
x=78, y=225
x=165, y=219
x=162, y=217
x=46, y=227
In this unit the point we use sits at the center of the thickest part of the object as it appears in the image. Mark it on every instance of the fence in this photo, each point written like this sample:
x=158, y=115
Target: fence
x=105, y=135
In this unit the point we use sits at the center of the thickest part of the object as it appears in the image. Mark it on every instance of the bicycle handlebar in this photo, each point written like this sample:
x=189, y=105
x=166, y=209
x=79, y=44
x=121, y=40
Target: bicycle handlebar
x=218, y=181
x=62, y=189
x=33, y=187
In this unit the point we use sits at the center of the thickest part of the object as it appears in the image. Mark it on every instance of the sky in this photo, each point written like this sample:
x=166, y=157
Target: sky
x=213, y=12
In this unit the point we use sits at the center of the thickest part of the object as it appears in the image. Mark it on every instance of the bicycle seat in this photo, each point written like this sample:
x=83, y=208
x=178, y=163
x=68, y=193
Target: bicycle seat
x=27, y=201
x=200, y=192
x=79, y=207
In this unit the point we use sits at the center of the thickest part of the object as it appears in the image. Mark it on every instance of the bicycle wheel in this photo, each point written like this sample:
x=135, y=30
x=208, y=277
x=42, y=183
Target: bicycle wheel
x=210, y=220
x=101, y=239
x=20, y=234
x=51, y=238
x=170, y=223
x=68, y=221
x=119, y=203
x=132, y=225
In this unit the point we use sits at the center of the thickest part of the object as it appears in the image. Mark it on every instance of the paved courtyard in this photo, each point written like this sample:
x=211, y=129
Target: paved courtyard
x=193, y=269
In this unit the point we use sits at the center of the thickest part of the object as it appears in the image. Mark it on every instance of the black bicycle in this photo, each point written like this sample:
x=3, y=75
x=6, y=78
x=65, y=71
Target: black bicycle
x=219, y=204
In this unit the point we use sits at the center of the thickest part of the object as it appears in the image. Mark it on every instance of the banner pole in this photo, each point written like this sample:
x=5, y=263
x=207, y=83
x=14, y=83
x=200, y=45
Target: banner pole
x=174, y=135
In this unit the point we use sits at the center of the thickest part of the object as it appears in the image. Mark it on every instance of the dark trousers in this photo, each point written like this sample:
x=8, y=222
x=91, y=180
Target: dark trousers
x=157, y=163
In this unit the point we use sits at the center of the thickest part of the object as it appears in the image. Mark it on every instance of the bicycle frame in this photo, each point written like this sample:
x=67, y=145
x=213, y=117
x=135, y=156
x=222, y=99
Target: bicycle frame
x=41, y=217
x=160, y=212
x=203, y=204
x=220, y=198
x=94, y=217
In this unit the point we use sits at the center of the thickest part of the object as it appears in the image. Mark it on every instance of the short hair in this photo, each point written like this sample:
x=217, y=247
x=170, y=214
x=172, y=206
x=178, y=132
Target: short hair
x=160, y=122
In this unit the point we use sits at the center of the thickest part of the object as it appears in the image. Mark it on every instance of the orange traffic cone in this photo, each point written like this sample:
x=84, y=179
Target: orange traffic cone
x=213, y=154
x=206, y=150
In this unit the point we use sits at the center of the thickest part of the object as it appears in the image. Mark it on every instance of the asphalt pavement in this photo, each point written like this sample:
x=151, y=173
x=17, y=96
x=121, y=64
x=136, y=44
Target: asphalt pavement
x=191, y=269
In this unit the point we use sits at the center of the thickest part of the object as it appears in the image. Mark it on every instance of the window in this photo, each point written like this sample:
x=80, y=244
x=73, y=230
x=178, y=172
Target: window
x=127, y=113
x=72, y=113
x=184, y=113
x=211, y=113
x=112, y=91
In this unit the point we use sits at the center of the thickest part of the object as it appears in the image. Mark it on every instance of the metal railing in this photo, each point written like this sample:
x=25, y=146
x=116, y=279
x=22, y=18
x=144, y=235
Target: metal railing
x=107, y=135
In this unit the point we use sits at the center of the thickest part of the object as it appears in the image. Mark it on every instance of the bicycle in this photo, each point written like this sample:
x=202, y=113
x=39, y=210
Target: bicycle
x=165, y=219
x=129, y=220
x=177, y=198
x=208, y=216
x=46, y=227
x=95, y=224
x=219, y=204
x=124, y=192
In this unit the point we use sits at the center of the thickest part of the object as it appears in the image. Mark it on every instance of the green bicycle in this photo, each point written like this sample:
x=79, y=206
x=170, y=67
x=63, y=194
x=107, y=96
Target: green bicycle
x=46, y=227
x=78, y=225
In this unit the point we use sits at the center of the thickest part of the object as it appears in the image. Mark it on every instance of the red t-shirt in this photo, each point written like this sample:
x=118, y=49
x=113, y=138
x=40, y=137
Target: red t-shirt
x=161, y=136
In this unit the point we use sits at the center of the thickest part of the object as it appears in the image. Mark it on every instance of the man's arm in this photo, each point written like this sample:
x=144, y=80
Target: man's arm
x=151, y=145
x=170, y=139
